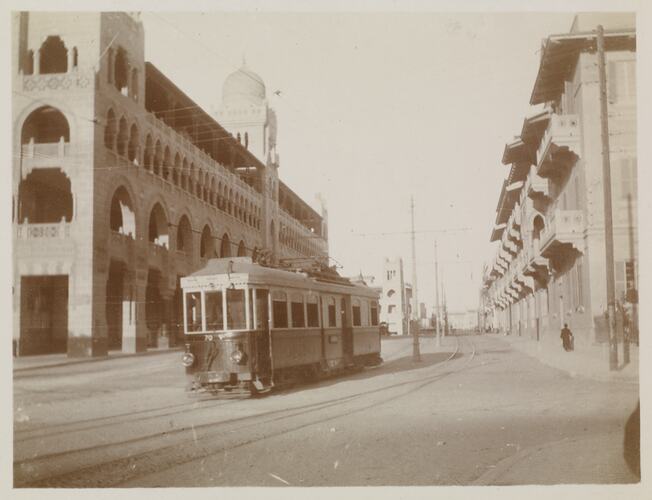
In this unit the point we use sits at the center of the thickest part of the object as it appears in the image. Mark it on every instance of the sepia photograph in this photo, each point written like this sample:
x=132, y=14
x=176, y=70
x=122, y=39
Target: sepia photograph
x=309, y=246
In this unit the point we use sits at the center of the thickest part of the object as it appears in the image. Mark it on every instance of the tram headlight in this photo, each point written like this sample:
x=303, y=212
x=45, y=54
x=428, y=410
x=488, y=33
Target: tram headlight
x=187, y=359
x=236, y=356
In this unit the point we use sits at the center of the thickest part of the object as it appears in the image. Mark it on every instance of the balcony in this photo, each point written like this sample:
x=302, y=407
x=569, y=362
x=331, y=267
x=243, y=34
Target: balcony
x=52, y=231
x=47, y=155
x=559, y=146
x=537, y=186
x=158, y=255
x=121, y=246
x=564, y=231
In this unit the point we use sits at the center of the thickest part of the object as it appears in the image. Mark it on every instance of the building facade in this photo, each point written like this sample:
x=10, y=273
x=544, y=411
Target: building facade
x=549, y=268
x=122, y=184
x=395, y=297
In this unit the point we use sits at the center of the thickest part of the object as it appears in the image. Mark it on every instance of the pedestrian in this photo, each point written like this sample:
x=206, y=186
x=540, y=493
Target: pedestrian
x=566, y=338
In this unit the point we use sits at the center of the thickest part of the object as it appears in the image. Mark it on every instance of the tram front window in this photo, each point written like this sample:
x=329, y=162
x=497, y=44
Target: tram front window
x=235, y=310
x=214, y=313
x=193, y=312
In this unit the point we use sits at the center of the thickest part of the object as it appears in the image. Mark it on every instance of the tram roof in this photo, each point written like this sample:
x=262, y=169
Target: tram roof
x=241, y=270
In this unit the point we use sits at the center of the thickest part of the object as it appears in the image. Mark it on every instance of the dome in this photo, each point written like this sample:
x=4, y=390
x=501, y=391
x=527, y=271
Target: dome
x=241, y=85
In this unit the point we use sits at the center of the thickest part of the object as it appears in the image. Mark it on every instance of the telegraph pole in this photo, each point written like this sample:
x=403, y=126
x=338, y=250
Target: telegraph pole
x=437, y=315
x=416, y=354
x=608, y=217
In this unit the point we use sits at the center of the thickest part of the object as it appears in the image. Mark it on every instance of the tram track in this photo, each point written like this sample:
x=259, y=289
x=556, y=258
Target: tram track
x=127, y=460
x=102, y=422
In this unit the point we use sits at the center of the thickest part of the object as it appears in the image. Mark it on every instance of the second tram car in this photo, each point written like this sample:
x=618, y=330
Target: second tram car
x=249, y=327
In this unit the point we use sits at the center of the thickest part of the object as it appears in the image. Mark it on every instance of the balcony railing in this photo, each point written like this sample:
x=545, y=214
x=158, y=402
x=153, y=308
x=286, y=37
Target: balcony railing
x=46, y=154
x=57, y=230
x=564, y=227
x=563, y=132
x=537, y=185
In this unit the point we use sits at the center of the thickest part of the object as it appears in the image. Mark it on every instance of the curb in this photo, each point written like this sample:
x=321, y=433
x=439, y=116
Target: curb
x=77, y=361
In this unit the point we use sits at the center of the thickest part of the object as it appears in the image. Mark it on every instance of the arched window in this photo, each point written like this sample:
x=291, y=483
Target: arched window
x=167, y=163
x=207, y=245
x=75, y=57
x=246, y=140
x=225, y=247
x=132, y=152
x=148, y=158
x=184, y=235
x=158, y=227
x=123, y=137
x=134, y=84
x=45, y=125
x=538, y=226
x=242, y=250
x=121, y=71
x=239, y=138
x=158, y=157
x=176, y=170
x=123, y=217
x=45, y=197
x=54, y=56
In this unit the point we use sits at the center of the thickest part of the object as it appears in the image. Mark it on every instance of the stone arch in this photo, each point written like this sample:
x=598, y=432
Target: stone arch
x=110, y=130
x=133, y=85
x=158, y=158
x=242, y=249
x=45, y=125
x=45, y=197
x=176, y=170
x=148, y=157
x=134, y=144
x=184, y=174
x=184, y=235
x=123, y=137
x=122, y=215
x=538, y=225
x=158, y=231
x=167, y=163
x=207, y=243
x=121, y=71
x=225, y=246
x=53, y=56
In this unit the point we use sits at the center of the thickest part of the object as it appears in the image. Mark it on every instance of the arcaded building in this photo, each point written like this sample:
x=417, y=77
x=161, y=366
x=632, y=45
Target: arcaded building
x=122, y=185
x=550, y=264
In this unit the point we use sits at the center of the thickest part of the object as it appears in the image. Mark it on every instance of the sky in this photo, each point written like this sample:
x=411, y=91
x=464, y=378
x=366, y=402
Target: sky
x=376, y=108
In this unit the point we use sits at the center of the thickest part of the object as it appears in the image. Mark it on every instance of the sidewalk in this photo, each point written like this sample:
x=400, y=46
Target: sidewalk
x=25, y=363
x=590, y=361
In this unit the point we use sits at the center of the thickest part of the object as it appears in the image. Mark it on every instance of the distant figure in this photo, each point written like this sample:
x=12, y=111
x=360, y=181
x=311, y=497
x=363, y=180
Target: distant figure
x=566, y=338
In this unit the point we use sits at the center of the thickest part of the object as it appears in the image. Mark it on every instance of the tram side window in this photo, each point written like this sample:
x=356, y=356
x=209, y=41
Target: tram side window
x=374, y=314
x=235, y=310
x=214, y=313
x=357, y=321
x=193, y=312
x=332, y=313
x=280, y=309
x=298, y=319
x=313, y=312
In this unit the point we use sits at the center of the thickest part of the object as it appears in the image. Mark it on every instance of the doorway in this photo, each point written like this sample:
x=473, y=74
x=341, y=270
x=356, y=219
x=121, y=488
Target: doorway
x=43, y=315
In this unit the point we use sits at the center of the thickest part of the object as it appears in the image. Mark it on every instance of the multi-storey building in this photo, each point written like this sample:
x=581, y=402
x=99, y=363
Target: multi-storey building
x=549, y=267
x=122, y=184
x=395, y=297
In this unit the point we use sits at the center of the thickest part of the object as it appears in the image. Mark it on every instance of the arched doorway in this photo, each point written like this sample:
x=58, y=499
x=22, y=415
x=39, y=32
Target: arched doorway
x=207, y=246
x=184, y=235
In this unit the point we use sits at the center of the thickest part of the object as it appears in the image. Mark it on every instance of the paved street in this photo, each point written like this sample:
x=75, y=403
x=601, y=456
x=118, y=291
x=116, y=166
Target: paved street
x=473, y=412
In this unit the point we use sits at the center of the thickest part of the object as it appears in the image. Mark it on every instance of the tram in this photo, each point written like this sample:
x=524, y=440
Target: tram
x=249, y=327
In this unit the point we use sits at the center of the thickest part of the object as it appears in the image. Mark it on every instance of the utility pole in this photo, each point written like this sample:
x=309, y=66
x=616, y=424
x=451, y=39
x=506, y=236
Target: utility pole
x=437, y=314
x=416, y=354
x=608, y=216
x=631, y=297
